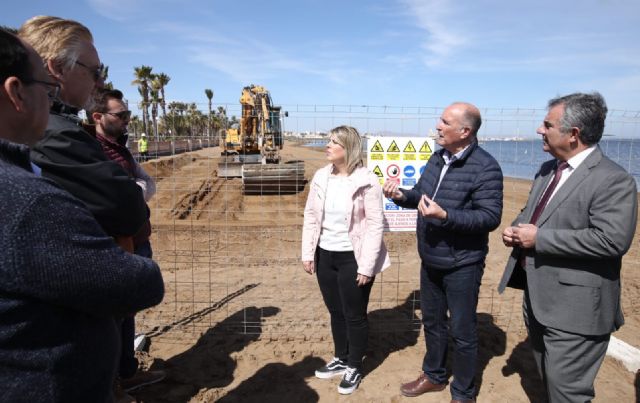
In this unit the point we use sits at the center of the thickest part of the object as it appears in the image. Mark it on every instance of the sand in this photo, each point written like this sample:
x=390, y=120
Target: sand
x=241, y=320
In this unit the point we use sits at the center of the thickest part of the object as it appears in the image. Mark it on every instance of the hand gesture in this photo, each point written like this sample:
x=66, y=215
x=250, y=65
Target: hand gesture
x=391, y=189
x=431, y=209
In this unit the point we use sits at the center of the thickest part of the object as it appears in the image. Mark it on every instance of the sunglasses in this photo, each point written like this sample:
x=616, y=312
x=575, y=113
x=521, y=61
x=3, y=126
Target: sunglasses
x=53, y=89
x=122, y=115
x=99, y=73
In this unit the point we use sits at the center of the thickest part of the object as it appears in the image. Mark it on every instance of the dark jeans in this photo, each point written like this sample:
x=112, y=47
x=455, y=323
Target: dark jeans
x=128, y=361
x=347, y=304
x=456, y=291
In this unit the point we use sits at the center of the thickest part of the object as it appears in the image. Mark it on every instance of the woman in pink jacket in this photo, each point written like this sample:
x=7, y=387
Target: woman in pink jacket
x=342, y=242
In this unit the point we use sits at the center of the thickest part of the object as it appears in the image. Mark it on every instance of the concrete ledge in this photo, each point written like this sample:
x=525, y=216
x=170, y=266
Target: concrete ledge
x=625, y=353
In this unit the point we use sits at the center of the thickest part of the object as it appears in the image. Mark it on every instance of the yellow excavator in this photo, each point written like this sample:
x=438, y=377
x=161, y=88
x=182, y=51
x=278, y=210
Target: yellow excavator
x=251, y=149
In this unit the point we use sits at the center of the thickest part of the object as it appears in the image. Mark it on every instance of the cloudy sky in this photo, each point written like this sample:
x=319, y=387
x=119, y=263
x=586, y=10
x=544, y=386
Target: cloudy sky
x=412, y=53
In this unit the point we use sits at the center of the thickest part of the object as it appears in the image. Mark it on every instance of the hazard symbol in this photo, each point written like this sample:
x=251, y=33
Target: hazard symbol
x=378, y=172
x=377, y=147
x=425, y=148
x=409, y=148
x=393, y=171
x=393, y=148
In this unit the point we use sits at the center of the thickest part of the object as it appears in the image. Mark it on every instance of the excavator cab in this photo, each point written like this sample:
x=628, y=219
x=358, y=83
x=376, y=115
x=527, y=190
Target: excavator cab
x=257, y=159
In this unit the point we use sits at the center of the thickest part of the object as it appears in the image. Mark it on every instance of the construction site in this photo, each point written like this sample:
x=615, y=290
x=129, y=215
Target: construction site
x=241, y=320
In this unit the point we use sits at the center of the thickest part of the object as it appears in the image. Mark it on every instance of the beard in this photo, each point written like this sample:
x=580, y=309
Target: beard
x=113, y=131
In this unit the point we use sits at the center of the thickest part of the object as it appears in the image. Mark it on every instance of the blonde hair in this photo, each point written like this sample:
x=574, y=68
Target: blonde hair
x=351, y=141
x=55, y=38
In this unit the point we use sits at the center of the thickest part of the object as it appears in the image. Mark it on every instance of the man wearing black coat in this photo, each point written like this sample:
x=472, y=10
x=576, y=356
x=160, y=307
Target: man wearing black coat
x=459, y=200
x=68, y=154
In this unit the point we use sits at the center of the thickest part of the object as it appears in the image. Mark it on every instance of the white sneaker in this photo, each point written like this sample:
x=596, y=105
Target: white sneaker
x=350, y=381
x=333, y=368
x=139, y=342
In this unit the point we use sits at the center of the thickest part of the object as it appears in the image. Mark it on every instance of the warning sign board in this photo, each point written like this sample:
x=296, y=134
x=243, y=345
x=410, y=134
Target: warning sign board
x=393, y=171
x=377, y=148
x=397, y=159
x=393, y=148
x=409, y=148
x=426, y=148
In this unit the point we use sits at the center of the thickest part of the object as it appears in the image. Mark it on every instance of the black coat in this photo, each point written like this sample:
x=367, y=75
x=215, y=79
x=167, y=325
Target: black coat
x=74, y=159
x=471, y=193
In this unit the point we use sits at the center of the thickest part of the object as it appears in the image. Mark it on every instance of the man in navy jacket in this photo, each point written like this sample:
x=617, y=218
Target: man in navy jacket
x=459, y=200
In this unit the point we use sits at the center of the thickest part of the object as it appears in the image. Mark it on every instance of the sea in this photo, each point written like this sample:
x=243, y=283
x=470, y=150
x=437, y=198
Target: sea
x=522, y=158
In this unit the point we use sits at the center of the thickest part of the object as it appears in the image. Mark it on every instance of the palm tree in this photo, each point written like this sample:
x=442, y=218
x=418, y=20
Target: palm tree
x=163, y=80
x=107, y=84
x=209, y=94
x=155, y=99
x=143, y=77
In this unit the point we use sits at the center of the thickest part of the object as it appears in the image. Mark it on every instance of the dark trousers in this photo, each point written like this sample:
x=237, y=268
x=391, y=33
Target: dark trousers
x=346, y=302
x=568, y=363
x=128, y=360
x=456, y=291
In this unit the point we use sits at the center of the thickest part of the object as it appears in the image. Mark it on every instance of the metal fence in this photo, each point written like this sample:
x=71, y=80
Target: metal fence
x=231, y=262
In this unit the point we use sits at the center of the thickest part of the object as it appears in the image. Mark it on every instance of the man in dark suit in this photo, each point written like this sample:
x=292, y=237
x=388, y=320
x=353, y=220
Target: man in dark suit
x=568, y=244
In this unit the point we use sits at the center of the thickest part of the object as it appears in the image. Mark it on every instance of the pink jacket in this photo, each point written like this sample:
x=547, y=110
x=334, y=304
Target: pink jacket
x=365, y=222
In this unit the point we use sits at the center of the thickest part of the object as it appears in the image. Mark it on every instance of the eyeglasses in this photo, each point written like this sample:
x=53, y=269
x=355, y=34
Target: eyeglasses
x=99, y=73
x=122, y=115
x=53, y=89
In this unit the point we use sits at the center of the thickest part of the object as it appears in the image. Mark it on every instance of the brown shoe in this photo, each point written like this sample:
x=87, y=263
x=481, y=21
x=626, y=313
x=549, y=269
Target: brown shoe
x=420, y=386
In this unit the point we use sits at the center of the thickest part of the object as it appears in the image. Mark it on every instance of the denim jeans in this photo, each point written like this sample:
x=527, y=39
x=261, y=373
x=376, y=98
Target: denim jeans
x=347, y=304
x=456, y=291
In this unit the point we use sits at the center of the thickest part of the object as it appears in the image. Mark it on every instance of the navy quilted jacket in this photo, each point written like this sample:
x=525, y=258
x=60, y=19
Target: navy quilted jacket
x=471, y=193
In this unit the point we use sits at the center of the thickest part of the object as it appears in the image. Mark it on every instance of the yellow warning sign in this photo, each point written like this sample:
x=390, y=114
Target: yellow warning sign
x=377, y=147
x=378, y=172
x=409, y=148
x=393, y=148
x=425, y=148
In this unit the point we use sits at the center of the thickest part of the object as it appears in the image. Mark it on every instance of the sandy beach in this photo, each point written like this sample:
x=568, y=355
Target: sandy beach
x=241, y=320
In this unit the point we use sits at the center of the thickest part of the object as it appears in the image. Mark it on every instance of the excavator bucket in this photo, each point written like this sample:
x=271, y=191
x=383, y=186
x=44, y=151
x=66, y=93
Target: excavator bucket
x=270, y=179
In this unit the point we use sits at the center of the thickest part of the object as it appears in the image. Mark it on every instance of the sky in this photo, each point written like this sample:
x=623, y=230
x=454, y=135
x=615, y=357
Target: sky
x=397, y=53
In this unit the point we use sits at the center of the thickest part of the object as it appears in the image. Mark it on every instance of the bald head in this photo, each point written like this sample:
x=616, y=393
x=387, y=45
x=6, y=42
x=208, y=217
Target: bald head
x=470, y=116
x=458, y=126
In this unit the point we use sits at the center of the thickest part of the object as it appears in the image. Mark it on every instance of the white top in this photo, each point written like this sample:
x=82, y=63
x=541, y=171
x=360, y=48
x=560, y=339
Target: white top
x=574, y=162
x=335, y=234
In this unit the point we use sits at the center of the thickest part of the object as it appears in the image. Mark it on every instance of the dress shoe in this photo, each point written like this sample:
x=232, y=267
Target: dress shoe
x=463, y=401
x=420, y=386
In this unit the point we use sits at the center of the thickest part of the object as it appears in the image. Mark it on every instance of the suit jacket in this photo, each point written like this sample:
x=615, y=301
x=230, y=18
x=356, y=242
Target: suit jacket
x=573, y=273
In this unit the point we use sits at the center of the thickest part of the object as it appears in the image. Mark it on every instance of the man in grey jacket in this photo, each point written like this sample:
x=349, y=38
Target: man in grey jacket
x=62, y=278
x=568, y=243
